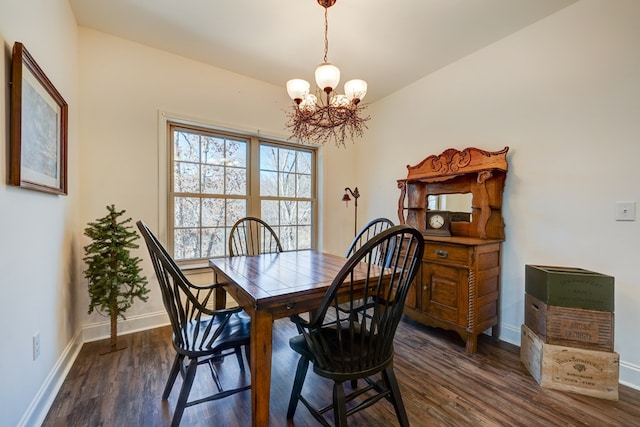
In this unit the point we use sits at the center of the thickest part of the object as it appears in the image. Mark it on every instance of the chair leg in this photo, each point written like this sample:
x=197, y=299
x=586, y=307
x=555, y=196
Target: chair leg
x=339, y=405
x=184, y=392
x=173, y=374
x=389, y=378
x=298, y=382
x=247, y=354
x=238, y=351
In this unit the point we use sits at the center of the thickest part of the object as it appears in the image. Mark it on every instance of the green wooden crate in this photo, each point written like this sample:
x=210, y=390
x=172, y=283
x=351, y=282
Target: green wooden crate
x=570, y=287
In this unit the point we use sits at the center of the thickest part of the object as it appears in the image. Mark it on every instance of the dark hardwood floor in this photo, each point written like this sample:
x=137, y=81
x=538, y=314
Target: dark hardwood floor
x=441, y=386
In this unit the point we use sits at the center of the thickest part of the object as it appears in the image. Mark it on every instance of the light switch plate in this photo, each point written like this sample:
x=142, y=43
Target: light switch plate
x=625, y=211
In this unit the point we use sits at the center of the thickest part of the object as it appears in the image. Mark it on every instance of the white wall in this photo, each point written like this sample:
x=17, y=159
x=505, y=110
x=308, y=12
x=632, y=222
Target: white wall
x=564, y=95
x=38, y=231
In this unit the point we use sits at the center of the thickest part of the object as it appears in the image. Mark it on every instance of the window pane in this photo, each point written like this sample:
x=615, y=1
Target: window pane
x=304, y=213
x=286, y=160
x=304, y=237
x=236, y=153
x=186, y=243
x=268, y=183
x=186, y=147
x=212, y=150
x=212, y=179
x=268, y=158
x=236, y=181
x=288, y=238
x=287, y=185
x=185, y=177
x=213, y=213
x=303, y=162
x=288, y=212
x=270, y=212
x=304, y=186
x=236, y=209
x=213, y=242
x=186, y=212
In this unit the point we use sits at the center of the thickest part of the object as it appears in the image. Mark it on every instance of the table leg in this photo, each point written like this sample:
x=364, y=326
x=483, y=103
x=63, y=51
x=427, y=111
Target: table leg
x=261, y=347
x=220, y=295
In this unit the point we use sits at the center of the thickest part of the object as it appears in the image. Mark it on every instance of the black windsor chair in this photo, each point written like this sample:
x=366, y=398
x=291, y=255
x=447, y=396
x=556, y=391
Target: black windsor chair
x=200, y=334
x=358, y=344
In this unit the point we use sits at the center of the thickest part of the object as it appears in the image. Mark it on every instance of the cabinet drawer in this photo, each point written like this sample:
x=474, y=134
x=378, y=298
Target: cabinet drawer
x=445, y=252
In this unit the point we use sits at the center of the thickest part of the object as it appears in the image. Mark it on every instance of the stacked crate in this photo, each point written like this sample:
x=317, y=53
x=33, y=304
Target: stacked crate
x=567, y=336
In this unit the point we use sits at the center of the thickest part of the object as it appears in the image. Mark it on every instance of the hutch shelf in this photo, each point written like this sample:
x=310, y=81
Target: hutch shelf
x=458, y=285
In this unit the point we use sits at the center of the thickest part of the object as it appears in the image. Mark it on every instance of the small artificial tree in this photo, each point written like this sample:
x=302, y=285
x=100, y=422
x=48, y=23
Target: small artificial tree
x=114, y=275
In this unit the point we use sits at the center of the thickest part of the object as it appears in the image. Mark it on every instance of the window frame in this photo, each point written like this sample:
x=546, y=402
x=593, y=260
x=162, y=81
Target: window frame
x=253, y=198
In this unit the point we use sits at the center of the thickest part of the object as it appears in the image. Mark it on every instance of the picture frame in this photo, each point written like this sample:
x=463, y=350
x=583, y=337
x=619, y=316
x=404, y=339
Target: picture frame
x=38, y=128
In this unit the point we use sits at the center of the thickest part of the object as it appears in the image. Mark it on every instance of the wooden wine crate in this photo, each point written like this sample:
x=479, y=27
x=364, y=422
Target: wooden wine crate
x=588, y=372
x=570, y=287
x=571, y=327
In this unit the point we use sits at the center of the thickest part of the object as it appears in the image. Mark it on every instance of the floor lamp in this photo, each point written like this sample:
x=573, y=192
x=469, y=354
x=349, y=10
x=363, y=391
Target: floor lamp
x=355, y=194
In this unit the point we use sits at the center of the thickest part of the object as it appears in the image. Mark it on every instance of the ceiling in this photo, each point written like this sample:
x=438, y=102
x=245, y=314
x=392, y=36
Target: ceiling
x=390, y=44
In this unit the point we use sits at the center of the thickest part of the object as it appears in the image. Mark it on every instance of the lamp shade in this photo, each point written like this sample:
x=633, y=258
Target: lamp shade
x=327, y=76
x=355, y=90
x=340, y=101
x=297, y=89
x=308, y=104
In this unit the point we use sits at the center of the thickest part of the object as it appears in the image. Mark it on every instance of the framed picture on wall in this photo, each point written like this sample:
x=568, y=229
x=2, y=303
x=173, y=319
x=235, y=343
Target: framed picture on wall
x=38, y=127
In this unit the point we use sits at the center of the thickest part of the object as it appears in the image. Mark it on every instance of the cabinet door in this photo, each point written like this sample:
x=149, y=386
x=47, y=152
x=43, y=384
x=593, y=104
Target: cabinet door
x=445, y=292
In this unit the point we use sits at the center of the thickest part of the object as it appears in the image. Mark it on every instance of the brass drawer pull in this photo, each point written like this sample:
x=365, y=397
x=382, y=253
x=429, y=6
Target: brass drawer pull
x=442, y=254
x=290, y=306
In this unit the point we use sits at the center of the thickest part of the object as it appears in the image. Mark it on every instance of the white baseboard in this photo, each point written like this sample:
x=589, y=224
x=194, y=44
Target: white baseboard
x=102, y=330
x=509, y=334
x=630, y=375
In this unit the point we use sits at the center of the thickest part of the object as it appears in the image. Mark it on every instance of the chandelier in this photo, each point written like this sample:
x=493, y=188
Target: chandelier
x=327, y=115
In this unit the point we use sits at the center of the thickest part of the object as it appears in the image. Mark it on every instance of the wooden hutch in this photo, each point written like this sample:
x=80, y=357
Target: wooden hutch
x=458, y=287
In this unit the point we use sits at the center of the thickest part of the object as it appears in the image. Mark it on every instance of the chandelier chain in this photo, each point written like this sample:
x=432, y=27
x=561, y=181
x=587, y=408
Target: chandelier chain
x=326, y=33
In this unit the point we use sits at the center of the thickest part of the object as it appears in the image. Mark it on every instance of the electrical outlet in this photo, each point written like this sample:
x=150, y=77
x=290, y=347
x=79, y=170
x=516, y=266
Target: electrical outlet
x=625, y=211
x=36, y=345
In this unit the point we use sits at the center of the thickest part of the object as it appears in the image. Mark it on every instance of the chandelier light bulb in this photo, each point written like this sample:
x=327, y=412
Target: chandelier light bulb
x=340, y=101
x=298, y=89
x=327, y=77
x=355, y=90
x=308, y=104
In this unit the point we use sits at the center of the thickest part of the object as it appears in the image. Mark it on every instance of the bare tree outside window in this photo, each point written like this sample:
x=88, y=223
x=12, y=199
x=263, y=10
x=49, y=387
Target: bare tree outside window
x=210, y=190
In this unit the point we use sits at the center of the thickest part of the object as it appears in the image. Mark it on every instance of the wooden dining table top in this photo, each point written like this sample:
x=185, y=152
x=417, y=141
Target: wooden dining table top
x=283, y=283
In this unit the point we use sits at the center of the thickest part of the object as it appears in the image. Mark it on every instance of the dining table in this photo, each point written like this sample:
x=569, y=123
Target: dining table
x=272, y=286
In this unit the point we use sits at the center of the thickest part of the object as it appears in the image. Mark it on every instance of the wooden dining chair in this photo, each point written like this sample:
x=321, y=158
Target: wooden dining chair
x=252, y=236
x=372, y=228
x=201, y=335
x=358, y=344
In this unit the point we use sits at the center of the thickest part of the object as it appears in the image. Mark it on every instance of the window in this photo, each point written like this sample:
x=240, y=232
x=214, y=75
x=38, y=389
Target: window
x=218, y=178
x=285, y=192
